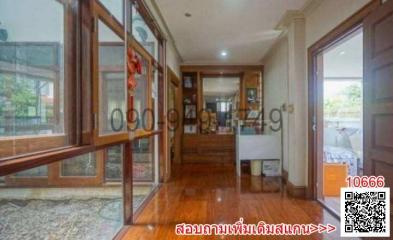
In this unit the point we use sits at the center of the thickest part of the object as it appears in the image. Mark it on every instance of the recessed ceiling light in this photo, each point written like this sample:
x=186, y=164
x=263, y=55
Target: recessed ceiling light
x=224, y=53
x=342, y=53
x=187, y=14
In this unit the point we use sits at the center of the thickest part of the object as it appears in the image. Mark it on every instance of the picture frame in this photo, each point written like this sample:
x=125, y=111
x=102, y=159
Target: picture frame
x=252, y=95
x=190, y=129
x=187, y=82
x=190, y=111
x=253, y=114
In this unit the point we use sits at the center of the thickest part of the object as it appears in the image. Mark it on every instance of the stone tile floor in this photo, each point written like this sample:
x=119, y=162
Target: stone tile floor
x=95, y=218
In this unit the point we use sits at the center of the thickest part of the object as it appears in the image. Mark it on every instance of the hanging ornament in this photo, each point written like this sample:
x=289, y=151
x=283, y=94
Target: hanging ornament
x=133, y=66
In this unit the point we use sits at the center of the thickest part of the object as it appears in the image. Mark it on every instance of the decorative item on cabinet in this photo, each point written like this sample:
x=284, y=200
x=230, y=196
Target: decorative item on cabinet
x=190, y=102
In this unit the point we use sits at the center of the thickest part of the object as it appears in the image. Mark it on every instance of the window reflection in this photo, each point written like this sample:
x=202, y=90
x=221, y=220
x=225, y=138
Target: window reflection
x=141, y=92
x=41, y=207
x=41, y=171
x=221, y=101
x=84, y=165
x=113, y=164
x=143, y=34
x=112, y=81
x=115, y=7
x=145, y=159
x=32, y=73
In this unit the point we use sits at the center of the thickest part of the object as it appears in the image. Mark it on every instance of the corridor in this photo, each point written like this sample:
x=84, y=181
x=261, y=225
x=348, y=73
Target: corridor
x=211, y=193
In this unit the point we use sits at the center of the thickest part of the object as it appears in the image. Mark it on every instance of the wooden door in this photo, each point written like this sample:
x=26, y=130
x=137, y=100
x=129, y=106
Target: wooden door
x=378, y=93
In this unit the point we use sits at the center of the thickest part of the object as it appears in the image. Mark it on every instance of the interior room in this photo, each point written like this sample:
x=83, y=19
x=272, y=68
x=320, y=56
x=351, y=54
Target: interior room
x=144, y=119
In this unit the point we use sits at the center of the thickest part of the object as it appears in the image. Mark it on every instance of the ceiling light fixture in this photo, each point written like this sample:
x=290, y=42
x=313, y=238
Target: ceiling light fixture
x=224, y=53
x=342, y=53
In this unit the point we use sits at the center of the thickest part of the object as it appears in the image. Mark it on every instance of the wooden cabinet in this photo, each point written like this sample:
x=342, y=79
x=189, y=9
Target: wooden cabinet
x=199, y=145
x=216, y=148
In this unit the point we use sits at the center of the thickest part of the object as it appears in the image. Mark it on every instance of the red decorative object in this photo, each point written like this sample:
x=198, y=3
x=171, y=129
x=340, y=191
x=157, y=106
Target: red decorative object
x=133, y=66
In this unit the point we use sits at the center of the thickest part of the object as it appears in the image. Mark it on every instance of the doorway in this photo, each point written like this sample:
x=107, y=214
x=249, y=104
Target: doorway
x=339, y=118
x=174, y=123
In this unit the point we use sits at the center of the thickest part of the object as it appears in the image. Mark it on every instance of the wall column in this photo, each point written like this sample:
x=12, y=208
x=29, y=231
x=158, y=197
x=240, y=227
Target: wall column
x=294, y=22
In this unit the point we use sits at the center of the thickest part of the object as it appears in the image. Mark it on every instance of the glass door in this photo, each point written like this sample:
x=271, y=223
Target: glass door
x=145, y=145
x=340, y=116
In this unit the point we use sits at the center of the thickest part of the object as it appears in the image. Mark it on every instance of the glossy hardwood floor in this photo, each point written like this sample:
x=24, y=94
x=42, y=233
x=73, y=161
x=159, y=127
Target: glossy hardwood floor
x=207, y=193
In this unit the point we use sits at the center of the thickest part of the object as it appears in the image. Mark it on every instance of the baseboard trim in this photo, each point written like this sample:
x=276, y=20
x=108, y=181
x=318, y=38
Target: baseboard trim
x=296, y=191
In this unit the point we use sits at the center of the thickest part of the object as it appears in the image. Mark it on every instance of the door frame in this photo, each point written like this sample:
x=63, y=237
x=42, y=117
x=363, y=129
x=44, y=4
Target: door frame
x=337, y=34
x=174, y=80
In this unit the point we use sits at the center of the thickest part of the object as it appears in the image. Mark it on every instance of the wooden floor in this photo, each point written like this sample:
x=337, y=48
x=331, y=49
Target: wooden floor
x=213, y=194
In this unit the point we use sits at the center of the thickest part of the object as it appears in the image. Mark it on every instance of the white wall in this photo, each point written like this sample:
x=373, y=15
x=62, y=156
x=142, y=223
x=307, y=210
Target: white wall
x=172, y=59
x=297, y=98
x=276, y=87
x=321, y=19
x=327, y=15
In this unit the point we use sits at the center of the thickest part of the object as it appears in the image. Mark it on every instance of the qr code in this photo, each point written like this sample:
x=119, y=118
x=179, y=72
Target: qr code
x=365, y=212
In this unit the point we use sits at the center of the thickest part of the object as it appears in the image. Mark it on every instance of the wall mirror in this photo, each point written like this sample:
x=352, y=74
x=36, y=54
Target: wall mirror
x=221, y=102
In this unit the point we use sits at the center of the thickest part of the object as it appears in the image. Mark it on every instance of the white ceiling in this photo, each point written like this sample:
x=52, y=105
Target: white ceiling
x=345, y=59
x=244, y=28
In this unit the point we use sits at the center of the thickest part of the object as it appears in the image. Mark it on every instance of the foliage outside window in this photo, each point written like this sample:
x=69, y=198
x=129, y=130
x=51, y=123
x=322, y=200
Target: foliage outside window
x=345, y=104
x=33, y=75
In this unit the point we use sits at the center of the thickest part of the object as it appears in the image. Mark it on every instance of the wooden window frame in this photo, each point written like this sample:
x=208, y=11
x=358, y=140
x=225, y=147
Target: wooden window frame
x=140, y=132
x=81, y=20
x=160, y=63
x=53, y=142
x=102, y=6
x=101, y=14
x=55, y=179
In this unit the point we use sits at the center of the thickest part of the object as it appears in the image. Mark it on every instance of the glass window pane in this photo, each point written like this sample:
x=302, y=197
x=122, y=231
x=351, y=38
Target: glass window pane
x=143, y=159
x=32, y=72
x=112, y=81
x=115, y=7
x=28, y=207
x=113, y=163
x=141, y=94
x=143, y=34
x=41, y=171
x=84, y=165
